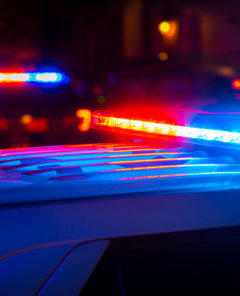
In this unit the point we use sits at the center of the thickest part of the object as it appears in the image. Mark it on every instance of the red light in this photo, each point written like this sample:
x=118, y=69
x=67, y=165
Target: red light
x=106, y=121
x=69, y=120
x=86, y=116
x=97, y=90
x=37, y=125
x=236, y=83
x=3, y=124
x=26, y=119
x=14, y=77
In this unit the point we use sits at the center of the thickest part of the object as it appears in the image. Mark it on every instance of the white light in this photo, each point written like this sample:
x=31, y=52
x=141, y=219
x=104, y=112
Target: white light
x=46, y=77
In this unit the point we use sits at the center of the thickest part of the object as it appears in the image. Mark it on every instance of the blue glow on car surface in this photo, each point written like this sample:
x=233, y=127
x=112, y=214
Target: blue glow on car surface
x=80, y=171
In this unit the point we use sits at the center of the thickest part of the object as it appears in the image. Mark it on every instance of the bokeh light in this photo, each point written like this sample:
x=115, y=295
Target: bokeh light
x=169, y=29
x=101, y=99
x=97, y=90
x=163, y=56
x=3, y=124
x=164, y=27
x=85, y=115
x=26, y=119
x=236, y=83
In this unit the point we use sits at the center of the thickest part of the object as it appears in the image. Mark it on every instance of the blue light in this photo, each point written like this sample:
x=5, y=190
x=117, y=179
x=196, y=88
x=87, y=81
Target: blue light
x=47, y=77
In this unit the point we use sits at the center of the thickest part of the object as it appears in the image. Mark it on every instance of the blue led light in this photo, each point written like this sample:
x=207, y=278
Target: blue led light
x=48, y=77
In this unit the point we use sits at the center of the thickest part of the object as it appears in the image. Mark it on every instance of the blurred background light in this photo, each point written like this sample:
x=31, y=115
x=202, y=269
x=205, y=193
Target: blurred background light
x=237, y=96
x=169, y=29
x=164, y=27
x=226, y=71
x=163, y=56
x=101, y=99
x=97, y=90
x=37, y=125
x=86, y=116
x=236, y=83
x=26, y=119
x=3, y=124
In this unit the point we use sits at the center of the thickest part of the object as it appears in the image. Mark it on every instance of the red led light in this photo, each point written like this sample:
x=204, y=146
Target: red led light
x=107, y=121
x=236, y=83
x=13, y=77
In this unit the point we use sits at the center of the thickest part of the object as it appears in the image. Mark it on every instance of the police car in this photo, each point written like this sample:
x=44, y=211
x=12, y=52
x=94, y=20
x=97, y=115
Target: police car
x=157, y=211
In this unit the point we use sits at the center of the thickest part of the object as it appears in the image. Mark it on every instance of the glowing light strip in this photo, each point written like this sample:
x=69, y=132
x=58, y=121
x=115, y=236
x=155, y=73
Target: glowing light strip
x=72, y=155
x=56, y=168
x=67, y=150
x=166, y=167
x=16, y=164
x=166, y=129
x=182, y=175
x=40, y=77
x=154, y=160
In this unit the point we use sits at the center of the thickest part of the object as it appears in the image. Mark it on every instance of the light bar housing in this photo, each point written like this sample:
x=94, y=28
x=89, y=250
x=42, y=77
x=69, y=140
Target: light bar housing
x=34, y=77
x=108, y=121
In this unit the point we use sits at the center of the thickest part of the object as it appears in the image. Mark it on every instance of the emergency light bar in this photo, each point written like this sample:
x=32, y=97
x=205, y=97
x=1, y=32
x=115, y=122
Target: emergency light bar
x=39, y=77
x=105, y=121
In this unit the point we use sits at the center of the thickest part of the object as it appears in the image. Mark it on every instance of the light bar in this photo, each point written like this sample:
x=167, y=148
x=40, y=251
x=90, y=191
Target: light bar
x=39, y=77
x=101, y=120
